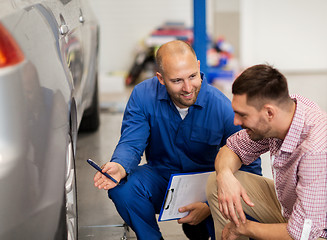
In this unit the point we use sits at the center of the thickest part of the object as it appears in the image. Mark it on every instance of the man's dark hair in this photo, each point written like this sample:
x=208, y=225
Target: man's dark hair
x=261, y=83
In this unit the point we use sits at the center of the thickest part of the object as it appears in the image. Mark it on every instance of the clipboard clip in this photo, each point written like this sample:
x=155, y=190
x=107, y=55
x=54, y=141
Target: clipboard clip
x=169, y=198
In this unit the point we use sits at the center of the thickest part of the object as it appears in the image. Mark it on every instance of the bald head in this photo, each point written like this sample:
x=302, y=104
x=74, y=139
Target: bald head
x=171, y=49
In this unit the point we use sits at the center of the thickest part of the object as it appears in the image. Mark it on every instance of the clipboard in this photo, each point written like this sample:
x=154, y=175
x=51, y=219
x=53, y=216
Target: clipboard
x=183, y=189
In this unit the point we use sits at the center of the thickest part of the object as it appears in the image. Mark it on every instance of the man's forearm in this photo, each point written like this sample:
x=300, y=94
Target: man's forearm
x=227, y=160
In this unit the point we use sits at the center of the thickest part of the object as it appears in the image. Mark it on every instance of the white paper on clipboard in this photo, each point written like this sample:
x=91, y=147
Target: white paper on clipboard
x=183, y=189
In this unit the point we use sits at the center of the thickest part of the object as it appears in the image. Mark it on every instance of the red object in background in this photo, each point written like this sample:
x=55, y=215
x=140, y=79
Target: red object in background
x=10, y=53
x=187, y=33
x=180, y=34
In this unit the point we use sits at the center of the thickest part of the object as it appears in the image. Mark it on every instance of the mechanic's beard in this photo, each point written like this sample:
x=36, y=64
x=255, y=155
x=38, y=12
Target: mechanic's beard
x=189, y=103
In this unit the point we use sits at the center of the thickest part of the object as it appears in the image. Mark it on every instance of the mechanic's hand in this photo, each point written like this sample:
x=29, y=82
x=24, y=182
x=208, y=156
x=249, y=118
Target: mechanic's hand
x=230, y=192
x=113, y=169
x=197, y=213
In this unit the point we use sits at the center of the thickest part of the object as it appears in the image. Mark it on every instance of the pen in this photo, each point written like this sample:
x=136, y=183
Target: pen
x=96, y=166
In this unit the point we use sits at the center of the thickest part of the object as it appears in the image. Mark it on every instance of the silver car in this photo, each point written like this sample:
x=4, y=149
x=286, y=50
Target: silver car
x=48, y=92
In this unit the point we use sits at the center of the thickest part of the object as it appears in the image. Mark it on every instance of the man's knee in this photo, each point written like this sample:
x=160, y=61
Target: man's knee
x=211, y=188
x=126, y=192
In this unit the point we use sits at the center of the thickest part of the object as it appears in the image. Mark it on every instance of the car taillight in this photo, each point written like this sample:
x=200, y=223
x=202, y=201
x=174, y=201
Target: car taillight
x=10, y=53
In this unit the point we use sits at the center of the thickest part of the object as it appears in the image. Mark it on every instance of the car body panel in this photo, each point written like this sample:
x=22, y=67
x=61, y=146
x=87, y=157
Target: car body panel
x=36, y=101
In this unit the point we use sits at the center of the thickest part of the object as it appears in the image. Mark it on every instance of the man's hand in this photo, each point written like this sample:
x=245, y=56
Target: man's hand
x=255, y=230
x=230, y=232
x=230, y=192
x=197, y=213
x=113, y=169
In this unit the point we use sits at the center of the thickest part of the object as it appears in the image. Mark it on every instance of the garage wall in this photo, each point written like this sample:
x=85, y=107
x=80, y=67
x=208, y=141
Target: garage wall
x=226, y=22
x=289, y=34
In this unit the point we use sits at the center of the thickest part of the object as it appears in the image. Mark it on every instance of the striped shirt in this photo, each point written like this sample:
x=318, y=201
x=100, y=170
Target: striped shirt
x=299, y=165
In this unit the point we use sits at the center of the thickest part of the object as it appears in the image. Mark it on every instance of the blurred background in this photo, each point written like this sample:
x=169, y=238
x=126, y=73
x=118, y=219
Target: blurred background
x=291, y=35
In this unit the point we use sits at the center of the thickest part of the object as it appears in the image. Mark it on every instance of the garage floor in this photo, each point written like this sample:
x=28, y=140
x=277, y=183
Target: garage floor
x=98, y=218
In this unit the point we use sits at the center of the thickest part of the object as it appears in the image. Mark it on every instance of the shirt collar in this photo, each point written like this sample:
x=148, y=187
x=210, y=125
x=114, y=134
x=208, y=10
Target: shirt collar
x=293, y=136
x=200, y=101
x=162, y=92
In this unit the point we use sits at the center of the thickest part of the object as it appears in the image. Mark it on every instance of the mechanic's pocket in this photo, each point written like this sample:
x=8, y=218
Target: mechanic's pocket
x=206, y=136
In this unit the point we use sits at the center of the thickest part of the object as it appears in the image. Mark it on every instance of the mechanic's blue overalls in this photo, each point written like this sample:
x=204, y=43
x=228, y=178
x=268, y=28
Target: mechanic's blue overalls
x=172, y=145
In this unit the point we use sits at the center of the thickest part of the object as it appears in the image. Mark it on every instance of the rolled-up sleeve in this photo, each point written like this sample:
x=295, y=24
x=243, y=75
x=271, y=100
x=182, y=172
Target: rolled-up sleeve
x=246, y=149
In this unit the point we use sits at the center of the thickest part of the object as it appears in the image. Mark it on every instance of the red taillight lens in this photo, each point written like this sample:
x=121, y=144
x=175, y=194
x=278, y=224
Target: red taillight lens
x=10, y=52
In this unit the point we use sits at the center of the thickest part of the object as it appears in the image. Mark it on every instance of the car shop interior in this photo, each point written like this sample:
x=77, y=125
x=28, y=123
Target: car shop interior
x=228, y=36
